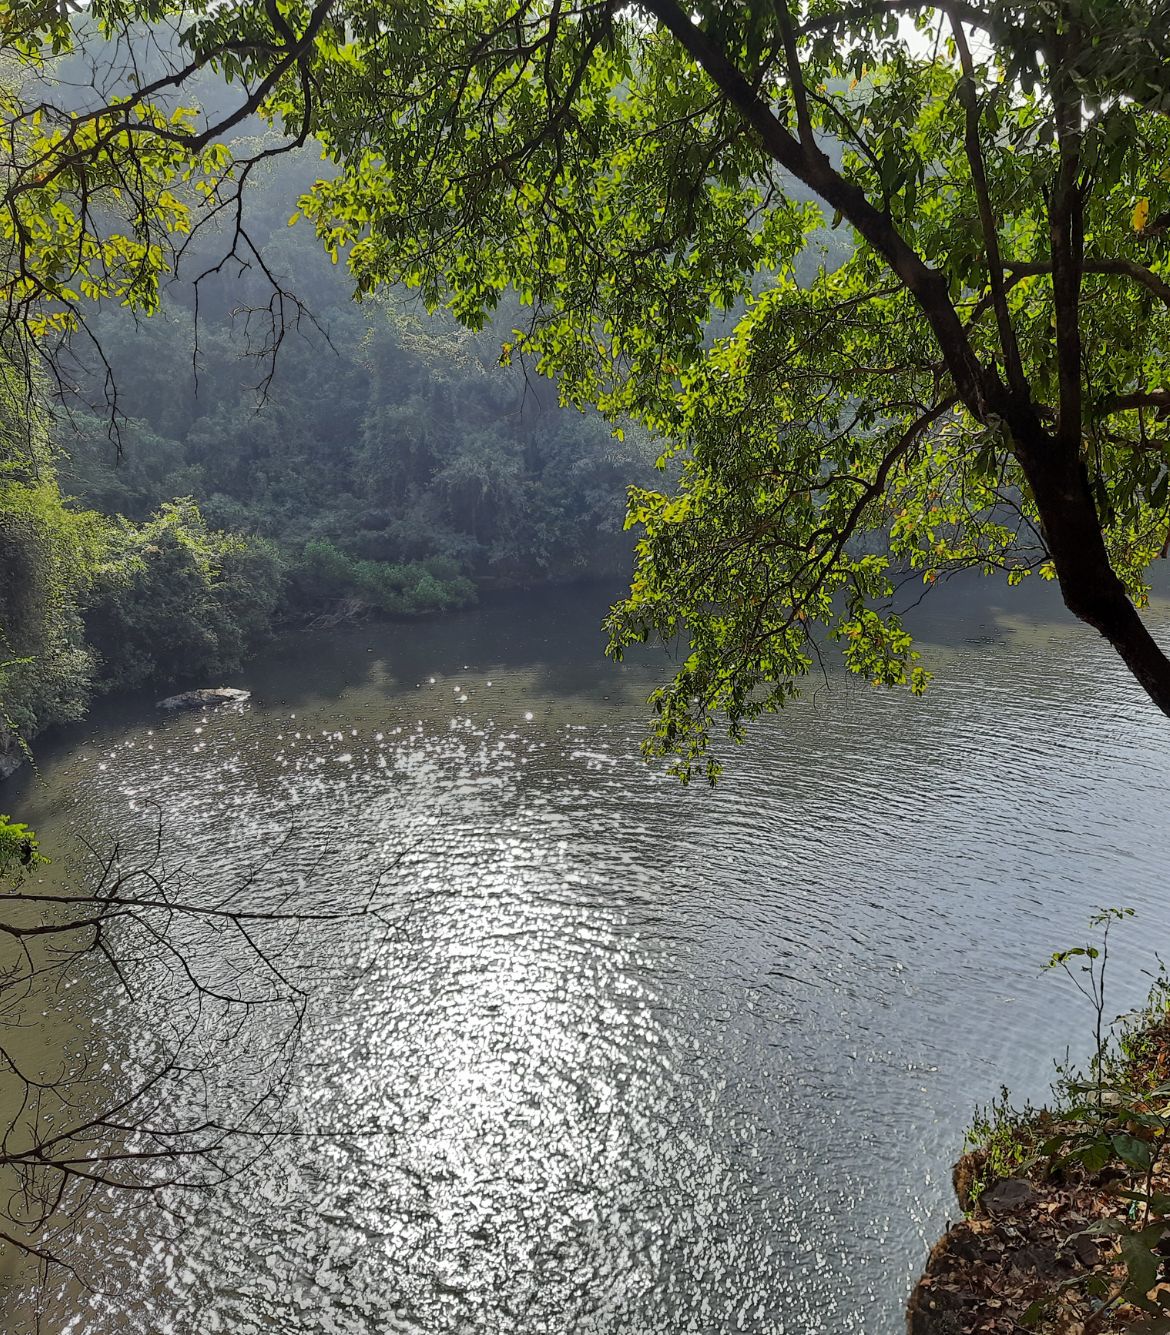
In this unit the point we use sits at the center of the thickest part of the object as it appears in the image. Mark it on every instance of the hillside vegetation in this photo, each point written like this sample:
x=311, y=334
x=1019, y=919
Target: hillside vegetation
x=166, y=519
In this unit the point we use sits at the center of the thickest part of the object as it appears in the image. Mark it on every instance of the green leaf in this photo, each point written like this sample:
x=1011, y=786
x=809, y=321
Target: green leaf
x=1142, y=1264
x=1095, y=1155
x=1138, y=1154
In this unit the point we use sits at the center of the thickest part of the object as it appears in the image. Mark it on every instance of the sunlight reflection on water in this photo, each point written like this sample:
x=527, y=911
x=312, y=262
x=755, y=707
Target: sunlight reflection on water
x=638, y=1060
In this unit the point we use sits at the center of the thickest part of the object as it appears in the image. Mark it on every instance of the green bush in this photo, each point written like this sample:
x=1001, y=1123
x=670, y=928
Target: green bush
x=177, y=600
x=326, y=575
x=49, y=558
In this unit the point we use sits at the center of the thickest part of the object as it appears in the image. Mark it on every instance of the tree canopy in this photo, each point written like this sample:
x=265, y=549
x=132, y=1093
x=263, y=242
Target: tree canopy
x=982, y=383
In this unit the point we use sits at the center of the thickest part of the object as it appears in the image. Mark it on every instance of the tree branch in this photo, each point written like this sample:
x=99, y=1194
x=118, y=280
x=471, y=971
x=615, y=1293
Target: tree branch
x=1139, y=398
x=926, y=285
x=969, y=98
x=795, y=76
x=1126, y=268
x=1066, y=231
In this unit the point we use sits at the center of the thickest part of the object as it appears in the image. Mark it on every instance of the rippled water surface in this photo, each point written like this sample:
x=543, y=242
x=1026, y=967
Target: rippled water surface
x=635, y=1059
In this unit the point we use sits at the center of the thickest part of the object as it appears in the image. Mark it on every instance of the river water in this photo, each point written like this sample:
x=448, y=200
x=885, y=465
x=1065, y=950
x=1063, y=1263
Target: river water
x=635, y=1058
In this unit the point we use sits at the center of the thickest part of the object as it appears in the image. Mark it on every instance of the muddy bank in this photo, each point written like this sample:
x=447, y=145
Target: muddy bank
x=1067, y=1227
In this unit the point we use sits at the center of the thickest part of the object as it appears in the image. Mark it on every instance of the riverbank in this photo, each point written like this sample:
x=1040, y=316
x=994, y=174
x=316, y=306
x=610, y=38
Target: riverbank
x=344, y=621
x=1067, y=1228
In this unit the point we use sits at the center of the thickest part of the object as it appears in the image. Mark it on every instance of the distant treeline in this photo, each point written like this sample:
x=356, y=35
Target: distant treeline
x=389, y=468
x=385, y=437
x=377, y=460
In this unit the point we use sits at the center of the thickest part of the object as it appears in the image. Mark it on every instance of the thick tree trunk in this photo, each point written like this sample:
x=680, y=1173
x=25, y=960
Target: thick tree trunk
x=1090, y=587
x=1051, y=463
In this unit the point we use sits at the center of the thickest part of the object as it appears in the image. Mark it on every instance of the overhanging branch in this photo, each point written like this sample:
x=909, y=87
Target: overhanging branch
x=926, y=285
x=1139, y=398
x=1123, y=267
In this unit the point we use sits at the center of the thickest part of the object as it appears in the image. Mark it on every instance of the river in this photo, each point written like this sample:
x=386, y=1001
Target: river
x=636, y=1059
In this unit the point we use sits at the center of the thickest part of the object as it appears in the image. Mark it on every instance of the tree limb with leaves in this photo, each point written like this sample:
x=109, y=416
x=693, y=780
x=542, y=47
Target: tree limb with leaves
x=982, y=383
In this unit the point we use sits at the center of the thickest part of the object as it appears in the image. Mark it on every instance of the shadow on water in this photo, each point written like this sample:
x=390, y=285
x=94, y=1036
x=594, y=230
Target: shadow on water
x=554, y=635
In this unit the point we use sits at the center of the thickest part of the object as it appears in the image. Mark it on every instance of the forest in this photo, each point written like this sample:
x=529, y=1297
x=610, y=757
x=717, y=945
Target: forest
x=377, y=430
x=196, y=489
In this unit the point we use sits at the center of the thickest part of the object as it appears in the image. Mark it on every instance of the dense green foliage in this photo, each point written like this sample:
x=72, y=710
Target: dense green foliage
x=399, y=440
x=49, y=557
x=981, y=384
x=177, y=599
x=91, y=603
x=376, y=466
x=18, y=847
